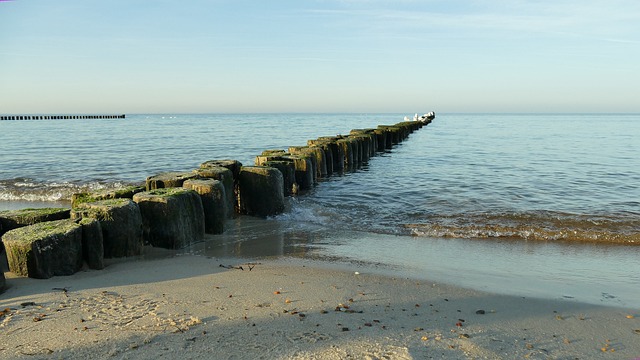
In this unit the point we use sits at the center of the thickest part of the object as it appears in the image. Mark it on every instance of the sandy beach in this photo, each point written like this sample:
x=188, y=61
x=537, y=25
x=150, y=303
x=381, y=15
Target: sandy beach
x=195, y=307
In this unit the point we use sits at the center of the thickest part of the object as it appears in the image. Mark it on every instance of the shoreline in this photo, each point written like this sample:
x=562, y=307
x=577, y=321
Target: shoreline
x=191, y=305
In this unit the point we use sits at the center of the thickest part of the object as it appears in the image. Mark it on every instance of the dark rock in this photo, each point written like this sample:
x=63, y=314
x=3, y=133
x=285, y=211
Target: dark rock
x=45, y=249
x=121, y=225
x=214, y=203
x=173, y=217
x=3, y=282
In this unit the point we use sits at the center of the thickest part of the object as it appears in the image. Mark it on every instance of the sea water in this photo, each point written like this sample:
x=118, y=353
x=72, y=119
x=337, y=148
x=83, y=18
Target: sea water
x=518, y=203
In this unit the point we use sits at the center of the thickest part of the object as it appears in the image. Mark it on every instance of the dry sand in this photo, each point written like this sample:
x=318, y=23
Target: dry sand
x=189, y=307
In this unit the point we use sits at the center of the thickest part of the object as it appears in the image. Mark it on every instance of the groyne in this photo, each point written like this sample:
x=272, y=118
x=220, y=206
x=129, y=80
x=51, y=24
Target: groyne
x=174, y=209
x=60, y=117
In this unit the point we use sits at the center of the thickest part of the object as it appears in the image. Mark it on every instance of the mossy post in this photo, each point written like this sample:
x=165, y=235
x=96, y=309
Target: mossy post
x=317, y=155
x=288, y=170
x=381, y=139
x=120, y=222
x=347, y=150
x=13, y=219
x=261, y=191
x=391, y=135
x=225, y=176
x=234, y=166
x=172, y=217
x=92, y=243
x=325, y=146
x=46, y=249
x=214, y=203
x=120, y=193
x=337, y=152
x=304, y=170
x=369, y=143
x=168, y=180
x=356, y=146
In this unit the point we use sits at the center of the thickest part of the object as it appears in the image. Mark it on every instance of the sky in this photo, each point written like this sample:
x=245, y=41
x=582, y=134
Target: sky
x=361, y=56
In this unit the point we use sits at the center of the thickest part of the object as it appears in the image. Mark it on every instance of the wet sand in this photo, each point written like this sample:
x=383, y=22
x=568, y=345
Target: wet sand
x=204, y=307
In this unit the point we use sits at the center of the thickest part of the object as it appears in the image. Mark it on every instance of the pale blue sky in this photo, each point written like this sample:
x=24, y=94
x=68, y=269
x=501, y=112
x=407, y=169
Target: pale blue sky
x=406, y=56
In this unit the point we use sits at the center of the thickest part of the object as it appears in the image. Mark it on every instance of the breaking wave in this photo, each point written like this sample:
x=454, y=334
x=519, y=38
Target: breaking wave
x=541, y=226
x=23, y=189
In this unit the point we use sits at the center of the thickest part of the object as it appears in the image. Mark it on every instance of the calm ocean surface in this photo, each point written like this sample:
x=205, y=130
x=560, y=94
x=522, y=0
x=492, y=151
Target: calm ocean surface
x=502, y=202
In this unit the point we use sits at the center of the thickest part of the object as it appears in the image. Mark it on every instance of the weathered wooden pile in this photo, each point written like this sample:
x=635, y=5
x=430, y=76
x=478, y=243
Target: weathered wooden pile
x=175, y=209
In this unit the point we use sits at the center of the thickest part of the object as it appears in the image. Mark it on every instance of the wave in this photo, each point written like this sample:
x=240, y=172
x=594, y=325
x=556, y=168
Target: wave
x=620, y=228
x=25, y=189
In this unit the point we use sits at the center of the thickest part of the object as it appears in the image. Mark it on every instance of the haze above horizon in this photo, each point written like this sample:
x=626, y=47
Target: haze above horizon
x=238, y=56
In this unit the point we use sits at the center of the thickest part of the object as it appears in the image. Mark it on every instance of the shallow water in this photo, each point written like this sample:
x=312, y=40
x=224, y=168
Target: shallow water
x=597, y=274
x=508, y=202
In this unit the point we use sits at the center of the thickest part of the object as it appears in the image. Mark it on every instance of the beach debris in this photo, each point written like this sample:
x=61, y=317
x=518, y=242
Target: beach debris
x=607, y=346
x=231, y=267
x=64, y=290
x=277, y=292
x=630, y=316
x=249, y=266
x=636, y=331
x=480, y=312
x=28, y=303
x=346, y=309
x=345, y=329
x=356, y=273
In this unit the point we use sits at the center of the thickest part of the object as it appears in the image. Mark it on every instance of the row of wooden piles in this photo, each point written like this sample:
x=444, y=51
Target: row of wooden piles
x=175, y=209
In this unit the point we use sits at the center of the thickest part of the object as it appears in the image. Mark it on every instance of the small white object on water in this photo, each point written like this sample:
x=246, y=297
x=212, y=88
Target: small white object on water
x=357, y=273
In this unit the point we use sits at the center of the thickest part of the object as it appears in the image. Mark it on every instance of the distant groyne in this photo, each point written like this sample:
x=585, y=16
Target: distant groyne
x=60, y=117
